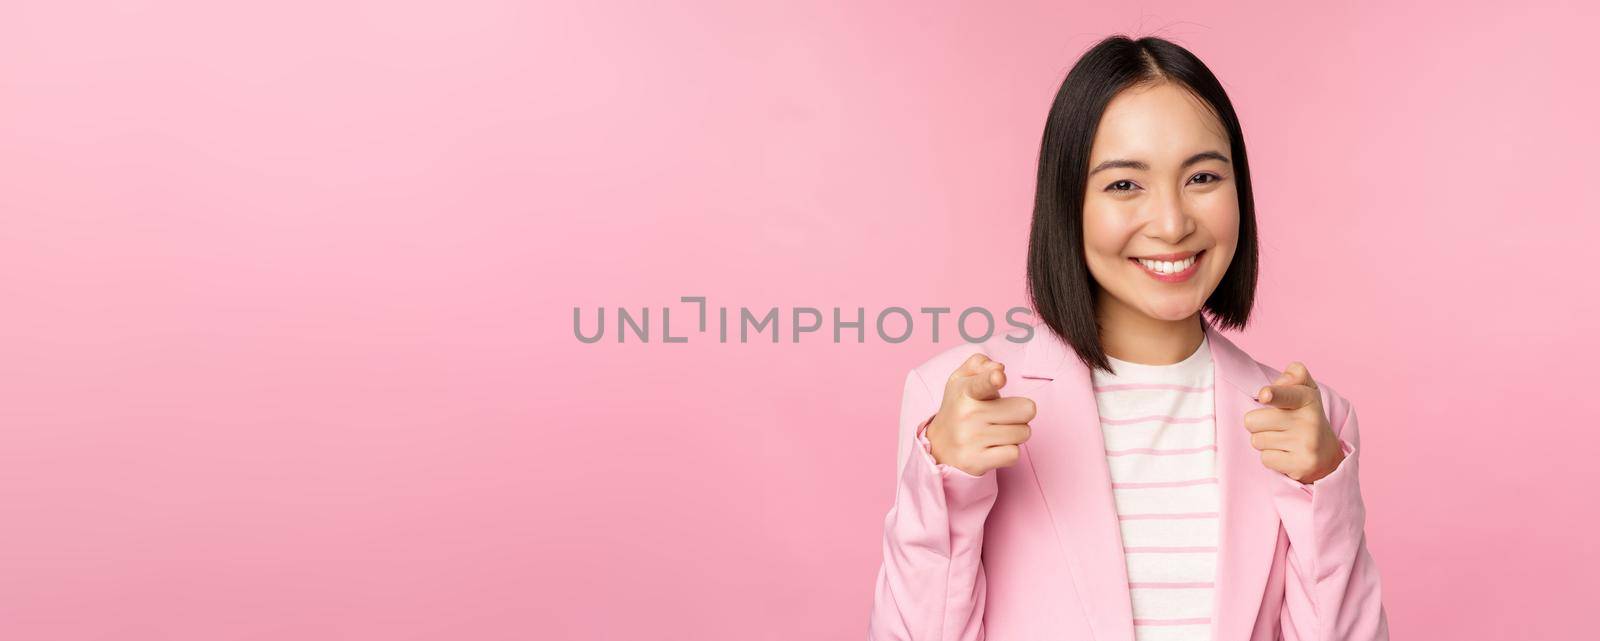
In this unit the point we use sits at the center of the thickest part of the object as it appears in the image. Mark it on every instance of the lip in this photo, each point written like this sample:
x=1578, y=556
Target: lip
x=1177, y=277
x=1173, y=256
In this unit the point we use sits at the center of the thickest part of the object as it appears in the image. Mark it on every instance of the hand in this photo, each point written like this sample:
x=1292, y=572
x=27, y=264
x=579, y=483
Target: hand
x=1293, y=433
x=975, y=430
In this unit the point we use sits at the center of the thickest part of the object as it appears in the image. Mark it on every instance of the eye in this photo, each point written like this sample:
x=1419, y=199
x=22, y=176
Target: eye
x=1116, y=186
x=1213, y=178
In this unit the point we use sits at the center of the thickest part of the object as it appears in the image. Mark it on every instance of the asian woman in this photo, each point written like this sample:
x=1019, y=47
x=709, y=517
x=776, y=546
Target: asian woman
x=1129, y=473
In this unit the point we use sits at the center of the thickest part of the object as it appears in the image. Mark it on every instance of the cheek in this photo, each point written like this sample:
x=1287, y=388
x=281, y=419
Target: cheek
x=1220, y=215
x=1105, y=231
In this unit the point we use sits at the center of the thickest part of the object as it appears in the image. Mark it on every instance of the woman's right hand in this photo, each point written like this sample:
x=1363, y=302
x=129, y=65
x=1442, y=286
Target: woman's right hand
x=975, y=430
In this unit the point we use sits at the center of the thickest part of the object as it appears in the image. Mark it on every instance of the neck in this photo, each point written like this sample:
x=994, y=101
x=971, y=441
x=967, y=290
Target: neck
x=1130, y=335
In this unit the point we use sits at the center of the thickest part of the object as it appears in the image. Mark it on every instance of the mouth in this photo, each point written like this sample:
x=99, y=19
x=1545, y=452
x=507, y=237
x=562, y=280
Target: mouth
x=1170, y=268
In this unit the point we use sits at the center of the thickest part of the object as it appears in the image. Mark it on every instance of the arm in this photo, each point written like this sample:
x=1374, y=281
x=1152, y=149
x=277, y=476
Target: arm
x=1331, y=585
x=930, y=586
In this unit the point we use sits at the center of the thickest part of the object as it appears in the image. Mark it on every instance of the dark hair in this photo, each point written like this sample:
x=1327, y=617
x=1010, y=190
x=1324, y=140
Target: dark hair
x=1059, y=282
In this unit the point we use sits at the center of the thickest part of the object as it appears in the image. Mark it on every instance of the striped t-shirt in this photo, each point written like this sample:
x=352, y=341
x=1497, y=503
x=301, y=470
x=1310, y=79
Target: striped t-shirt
x=1160, y=440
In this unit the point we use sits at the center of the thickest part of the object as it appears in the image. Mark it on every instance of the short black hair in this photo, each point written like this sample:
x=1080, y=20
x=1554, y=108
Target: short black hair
x=1059, y=283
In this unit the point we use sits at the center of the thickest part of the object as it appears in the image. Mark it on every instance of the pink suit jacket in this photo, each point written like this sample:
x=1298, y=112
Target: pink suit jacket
x=1034, y=551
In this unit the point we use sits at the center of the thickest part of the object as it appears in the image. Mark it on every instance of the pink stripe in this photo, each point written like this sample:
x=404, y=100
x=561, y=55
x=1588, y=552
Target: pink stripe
x=1153, y=484
x=1157, y=549
x=1173, y=515
x=1138, y=622
x=1136, y=386
x=1160, y=451
x=1158, y=585
x=1161, y=417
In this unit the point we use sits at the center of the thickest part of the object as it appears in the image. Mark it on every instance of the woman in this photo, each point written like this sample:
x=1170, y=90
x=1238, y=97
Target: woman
x=1141, y=477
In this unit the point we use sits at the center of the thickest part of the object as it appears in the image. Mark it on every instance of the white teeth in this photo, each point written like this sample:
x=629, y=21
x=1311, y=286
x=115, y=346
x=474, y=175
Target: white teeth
x=1167, y=266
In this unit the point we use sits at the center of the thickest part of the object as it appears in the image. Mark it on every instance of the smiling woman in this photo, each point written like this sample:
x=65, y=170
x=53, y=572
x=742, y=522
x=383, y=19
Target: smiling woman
x=1142, y=157
x=1154, y=204
x=1145, y=478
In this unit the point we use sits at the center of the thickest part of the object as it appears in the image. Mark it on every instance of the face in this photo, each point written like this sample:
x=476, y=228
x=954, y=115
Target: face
x=1160, y=186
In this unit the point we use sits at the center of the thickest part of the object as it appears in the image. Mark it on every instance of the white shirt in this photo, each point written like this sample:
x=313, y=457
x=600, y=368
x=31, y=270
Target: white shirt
x=1160, y=441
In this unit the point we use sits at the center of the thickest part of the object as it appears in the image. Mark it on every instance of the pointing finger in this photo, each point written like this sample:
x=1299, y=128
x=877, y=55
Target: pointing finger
x=985, y=385
x=1287, y=396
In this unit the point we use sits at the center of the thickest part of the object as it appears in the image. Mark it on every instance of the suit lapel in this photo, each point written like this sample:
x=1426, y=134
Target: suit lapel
x=1067, y=455
x=1249, y=535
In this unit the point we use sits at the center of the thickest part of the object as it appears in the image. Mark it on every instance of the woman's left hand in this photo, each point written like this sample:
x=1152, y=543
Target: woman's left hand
x=1293, y=432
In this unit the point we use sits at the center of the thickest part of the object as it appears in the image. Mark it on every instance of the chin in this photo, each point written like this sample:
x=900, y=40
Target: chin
x=1172, y=312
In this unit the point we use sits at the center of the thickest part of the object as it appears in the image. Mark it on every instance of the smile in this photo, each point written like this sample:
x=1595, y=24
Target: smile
x=1170, y=271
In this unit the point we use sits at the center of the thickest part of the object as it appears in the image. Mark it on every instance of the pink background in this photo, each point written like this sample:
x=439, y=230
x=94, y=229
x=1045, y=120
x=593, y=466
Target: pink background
x=286, y=347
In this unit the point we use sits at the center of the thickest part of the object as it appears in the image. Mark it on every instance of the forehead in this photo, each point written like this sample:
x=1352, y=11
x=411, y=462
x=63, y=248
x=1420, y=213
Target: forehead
x=1163, y=123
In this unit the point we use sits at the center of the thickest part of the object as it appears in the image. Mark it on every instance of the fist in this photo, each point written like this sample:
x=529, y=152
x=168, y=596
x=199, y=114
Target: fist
x=1292, y=433
x=975, y=430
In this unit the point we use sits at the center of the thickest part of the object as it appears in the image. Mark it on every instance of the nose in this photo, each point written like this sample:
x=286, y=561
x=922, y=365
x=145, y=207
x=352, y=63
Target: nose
x=1171, y=222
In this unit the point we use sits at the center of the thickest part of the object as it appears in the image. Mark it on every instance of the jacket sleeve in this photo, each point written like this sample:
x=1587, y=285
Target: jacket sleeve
x=930, y=586
x=1332, y=592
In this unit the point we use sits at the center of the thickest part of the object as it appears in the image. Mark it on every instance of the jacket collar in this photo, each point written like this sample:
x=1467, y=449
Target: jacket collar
x=1067, y=455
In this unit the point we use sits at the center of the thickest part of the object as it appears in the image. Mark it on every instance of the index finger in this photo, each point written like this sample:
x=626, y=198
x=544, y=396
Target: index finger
x=985, y=386
x=1291, y=396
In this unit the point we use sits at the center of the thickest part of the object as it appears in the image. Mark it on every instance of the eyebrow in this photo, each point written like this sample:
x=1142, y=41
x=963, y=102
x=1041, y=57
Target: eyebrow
x=1142, y=166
